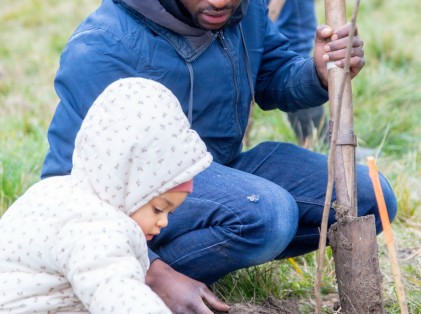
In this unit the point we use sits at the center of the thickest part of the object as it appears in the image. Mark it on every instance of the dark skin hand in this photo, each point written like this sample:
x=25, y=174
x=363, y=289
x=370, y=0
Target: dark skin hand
x=180, y=293
x=331, y=47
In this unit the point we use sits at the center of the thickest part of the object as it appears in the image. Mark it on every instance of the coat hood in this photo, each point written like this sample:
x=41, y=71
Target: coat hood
x=134, y=144
x=156, y=11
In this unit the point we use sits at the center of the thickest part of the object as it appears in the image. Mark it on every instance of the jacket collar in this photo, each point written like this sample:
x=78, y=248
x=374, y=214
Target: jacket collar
x=193, y=41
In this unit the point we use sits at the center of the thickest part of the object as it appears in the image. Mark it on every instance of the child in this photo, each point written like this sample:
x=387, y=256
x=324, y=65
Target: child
x=76, y=243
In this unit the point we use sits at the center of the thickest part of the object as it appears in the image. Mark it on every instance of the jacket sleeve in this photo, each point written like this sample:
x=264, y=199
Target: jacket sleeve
x=284, y=79
x=106, y=263
x=92, y=60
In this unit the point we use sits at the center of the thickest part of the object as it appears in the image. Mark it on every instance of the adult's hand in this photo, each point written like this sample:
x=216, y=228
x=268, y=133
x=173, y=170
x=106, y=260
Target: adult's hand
x=331, y=47
x=180, y=293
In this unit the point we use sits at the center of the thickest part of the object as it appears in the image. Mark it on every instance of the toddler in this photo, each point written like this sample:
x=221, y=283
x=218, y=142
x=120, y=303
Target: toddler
x=77, y=243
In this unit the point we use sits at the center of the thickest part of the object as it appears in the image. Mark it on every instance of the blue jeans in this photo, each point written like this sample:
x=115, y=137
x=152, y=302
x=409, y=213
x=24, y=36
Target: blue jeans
x=265, y=205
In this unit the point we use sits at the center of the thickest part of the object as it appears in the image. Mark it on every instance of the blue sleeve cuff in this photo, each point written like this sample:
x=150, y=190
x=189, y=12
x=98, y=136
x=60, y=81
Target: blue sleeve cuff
x=152, y=256
x=316, y=94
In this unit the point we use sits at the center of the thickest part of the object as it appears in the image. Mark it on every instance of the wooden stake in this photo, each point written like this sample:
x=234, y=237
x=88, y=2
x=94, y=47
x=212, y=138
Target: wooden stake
x=353, y=240
x=388, y=233
x=340, y=87
x=340, y=94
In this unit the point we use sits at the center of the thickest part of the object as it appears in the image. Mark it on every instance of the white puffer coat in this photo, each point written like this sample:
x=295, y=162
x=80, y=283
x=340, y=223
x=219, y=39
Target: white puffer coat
x=68, y=244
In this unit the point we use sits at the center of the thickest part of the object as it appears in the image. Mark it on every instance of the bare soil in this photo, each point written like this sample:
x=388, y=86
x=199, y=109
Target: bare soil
x=275, y=306
x=269, y=306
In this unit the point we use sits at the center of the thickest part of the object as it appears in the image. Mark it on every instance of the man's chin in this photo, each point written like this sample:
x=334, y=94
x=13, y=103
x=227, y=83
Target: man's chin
x=212, y=28
x=211, y=24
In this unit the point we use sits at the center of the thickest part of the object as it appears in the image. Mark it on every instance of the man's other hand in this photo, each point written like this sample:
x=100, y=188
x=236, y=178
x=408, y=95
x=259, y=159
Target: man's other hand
x=180, y=293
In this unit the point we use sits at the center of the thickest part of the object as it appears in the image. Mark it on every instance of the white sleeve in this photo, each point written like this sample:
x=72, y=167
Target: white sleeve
x=106, y=264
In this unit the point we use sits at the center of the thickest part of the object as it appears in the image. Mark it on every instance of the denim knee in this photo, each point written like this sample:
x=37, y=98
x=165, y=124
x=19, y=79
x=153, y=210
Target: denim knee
x=271, y=226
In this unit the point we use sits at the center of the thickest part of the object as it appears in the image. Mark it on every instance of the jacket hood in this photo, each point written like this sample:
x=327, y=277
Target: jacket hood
x=156, y=12
x=134, y=144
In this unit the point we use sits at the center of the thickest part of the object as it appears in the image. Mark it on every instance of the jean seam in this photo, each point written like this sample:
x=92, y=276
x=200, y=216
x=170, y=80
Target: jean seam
x=227, y=209
x=201, y=250
x=307, y=235
x=253, y=170
x=306, y=200
x=310, y=201
x=240, y=233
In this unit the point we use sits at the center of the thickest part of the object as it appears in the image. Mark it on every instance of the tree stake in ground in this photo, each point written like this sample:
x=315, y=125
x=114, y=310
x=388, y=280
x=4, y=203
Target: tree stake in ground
x=353, y=239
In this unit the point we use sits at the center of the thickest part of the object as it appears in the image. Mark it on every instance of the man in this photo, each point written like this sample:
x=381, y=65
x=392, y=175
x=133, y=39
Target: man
x=249, y=207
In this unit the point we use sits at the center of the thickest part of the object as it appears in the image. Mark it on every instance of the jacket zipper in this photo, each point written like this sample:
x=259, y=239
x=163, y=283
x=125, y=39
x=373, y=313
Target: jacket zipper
x=236, y=82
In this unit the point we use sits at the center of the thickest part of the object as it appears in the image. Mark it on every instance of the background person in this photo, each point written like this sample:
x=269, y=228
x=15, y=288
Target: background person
x=296, y=19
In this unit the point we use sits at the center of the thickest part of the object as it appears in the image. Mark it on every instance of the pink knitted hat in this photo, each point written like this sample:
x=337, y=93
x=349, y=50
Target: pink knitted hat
x=183, y=187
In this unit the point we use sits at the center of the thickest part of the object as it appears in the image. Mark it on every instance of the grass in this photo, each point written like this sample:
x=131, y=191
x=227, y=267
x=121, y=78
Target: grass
x=33, y=34
x=387, y=105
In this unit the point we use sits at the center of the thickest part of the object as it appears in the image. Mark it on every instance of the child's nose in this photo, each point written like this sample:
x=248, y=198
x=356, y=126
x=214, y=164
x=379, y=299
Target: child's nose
x=163, y=221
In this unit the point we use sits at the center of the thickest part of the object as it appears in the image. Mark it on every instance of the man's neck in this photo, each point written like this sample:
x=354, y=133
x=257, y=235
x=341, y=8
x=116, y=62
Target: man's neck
x=176, y=9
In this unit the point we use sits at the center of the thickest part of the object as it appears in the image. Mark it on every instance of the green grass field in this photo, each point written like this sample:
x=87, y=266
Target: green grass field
x=387, y=104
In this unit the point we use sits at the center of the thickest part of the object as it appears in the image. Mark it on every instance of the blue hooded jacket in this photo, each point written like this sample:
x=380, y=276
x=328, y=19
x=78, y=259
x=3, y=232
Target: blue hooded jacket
x=213, y=74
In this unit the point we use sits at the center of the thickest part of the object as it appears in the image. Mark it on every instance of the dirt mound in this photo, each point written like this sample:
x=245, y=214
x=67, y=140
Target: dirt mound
x=269, y=306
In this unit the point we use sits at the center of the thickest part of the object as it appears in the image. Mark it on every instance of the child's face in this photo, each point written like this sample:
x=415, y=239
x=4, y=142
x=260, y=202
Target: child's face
x=154, y=215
